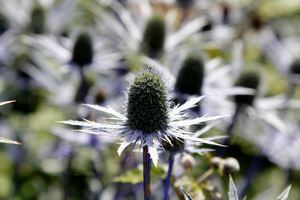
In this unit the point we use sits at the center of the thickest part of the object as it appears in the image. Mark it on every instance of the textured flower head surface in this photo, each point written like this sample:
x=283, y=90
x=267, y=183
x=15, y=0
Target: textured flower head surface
x=150, y=120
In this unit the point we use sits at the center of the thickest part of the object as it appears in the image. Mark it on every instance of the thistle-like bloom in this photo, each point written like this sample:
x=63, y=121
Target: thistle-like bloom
x=149, y=119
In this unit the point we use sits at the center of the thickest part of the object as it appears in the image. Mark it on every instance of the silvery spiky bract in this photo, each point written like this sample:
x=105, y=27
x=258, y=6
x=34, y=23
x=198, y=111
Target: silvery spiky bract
x=148, y=100
x=4, y=140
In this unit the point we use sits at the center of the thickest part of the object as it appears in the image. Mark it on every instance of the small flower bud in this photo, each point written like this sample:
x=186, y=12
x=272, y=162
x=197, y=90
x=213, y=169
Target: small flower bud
x=154, y=36
x=190, y=76
x=295, y=67
x=37, y=20
x=188, y=161
x=231, y=166
x=217, y=163
x=248, y=79
x=83, y=49
x=147, y=108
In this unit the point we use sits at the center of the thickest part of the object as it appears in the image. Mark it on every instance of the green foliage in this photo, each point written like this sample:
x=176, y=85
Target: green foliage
x=135, y=176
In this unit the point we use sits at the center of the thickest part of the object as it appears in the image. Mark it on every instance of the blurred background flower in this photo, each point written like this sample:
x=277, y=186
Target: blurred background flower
x=43, y=70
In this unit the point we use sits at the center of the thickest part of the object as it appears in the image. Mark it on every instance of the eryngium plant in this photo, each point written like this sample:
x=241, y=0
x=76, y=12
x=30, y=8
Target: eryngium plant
x=149, y=119
x=154, y=36
x=83, y=49
x=248, y=79
x=190, y=76
x=37, y=20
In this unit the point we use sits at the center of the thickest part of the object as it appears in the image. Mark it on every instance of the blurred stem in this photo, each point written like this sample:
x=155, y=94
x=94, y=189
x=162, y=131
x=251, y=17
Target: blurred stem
x=67, y=177
x=229, y=129
x=204, y=176
x=256, y=163
x=290, y=90
x=147, y=173
x=169, y=176
x=83, y=88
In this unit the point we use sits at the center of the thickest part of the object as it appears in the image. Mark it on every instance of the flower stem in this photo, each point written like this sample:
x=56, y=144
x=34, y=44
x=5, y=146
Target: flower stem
x=255, y=166
x=147, y=174
x=229, y=130
x=204, y=176
x=169, y=176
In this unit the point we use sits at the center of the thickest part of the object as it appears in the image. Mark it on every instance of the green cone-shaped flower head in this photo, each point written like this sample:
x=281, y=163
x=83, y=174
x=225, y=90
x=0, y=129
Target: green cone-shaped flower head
x=295, y=66
x=37, y=20
x=154, y=35
x=83, y=49
x=190, y=76
x=248, y=79
x=148, y=106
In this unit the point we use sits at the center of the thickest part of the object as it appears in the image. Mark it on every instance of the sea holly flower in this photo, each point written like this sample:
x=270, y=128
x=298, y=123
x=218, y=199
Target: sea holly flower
x=149, y=120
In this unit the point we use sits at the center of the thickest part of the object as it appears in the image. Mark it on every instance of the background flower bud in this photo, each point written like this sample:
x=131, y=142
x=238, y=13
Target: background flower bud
x=248, y=79
x=231, y=166
x=83, y=49
x=188, y=161
x=190, y=76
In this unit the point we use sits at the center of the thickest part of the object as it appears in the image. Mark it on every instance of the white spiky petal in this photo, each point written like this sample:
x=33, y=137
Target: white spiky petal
x=153, y=140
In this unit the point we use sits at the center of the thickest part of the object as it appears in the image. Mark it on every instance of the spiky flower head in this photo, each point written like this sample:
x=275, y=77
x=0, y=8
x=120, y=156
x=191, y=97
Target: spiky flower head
x=248, y=79
x=150, y=120
x=190, y=76
x=83, y=49
x=37, y=20
x=148, y=107
x=231, y=166
x=295, y=66
x=154, y=35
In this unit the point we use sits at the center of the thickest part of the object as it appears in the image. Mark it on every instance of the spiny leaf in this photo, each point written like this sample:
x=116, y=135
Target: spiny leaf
x=284, y=195
x=4, y=140
x=232, y=190
x=185, y=194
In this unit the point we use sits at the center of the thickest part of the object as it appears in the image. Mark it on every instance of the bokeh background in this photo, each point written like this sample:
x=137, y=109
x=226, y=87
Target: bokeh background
x=57, y=54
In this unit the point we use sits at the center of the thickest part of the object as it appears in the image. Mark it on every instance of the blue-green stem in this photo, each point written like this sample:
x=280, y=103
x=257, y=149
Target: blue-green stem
x=169, y=176
x=147, y=173
x=229, y=129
